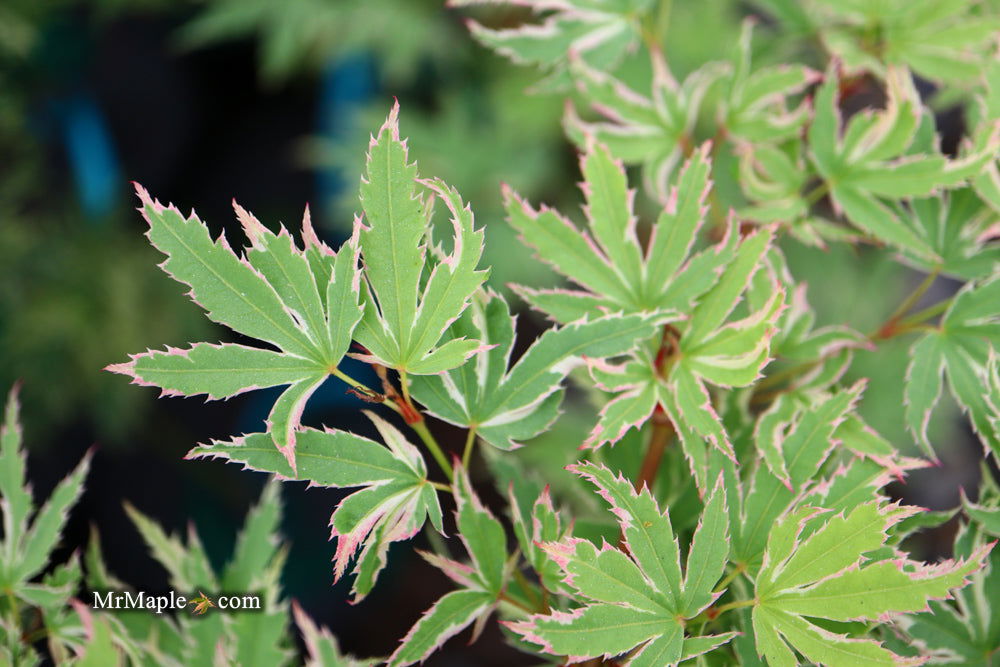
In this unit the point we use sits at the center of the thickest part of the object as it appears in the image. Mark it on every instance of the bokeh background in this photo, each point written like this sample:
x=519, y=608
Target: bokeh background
x=271, y=103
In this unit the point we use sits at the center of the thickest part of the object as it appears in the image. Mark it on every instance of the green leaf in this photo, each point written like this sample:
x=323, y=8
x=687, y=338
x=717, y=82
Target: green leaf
x=988, y=518
x=756, y=103
x=821, y=575
x=43, y=535
x=287, y=270
x=863, y=440
x=709, y=550
x=940, y=40
x=232, y=292
x=870, y=161
x=803, y=440
x=445, y=619
x=571, y=252
x=321, y=646
x=482, y=535
x=482, y=583
x=13, y=481
x=609, y=208
x=507, y=405
x=26, y=548
x=715, y=306
x=772, y=179
x=218, y=371
x=304, y=302
x=257, y=544
x=393, y=240
x=693, y=407
x=955, y=226
x=100, y=650
x=187, y=565
x=923, y=386
x=534, y=525
x=392, y=506
x=735, y=354
x=964, y=345
x=258, y=639
x=629, y=409
x=677, y=226
x=636, y=597
x=404, y=324
x=343, y=293
x=965, y=631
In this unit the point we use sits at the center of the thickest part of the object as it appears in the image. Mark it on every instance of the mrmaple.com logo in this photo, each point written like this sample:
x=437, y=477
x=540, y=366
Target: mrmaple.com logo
x=127, y=600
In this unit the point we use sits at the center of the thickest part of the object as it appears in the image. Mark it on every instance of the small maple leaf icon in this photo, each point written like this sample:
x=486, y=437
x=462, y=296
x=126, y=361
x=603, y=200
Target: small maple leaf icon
x=201, y=603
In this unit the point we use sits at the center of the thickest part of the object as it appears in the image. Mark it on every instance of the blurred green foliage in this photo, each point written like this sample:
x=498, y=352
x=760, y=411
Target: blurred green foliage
x=302, y=36
x=71, y=295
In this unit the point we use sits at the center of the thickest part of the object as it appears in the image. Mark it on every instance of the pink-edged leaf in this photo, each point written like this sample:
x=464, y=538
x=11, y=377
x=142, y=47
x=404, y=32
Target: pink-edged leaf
x=817, y=566
x=445, y=619
x=637, y=596
x=218, y=371
x=286, y=415
x=231, y=291
x=483, y=536
x=392, y=506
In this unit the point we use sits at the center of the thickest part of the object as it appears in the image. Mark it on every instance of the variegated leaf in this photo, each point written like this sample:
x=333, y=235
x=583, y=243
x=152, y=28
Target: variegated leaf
x=505, y=405
x=304, y=302
x=393, y=505
x=407, y=309
x=482, y=582
x=814, y=568
x=636, y=597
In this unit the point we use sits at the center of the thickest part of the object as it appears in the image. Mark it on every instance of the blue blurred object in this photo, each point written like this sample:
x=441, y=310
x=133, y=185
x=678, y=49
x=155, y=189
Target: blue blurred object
x=346, y=85
x=91, y=155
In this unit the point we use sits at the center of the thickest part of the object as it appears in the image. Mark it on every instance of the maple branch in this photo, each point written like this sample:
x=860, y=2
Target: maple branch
x=663, y=432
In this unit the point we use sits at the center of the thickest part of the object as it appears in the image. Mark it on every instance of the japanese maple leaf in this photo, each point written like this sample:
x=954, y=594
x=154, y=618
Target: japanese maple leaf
x=637, y=597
